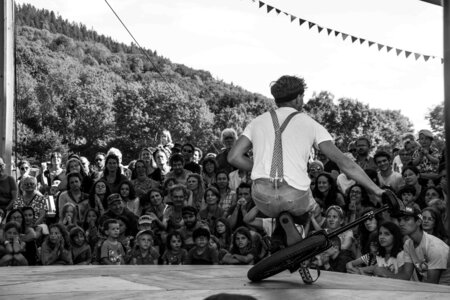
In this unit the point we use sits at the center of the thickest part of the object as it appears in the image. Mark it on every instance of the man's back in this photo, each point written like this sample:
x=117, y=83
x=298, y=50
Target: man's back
x=300, y=135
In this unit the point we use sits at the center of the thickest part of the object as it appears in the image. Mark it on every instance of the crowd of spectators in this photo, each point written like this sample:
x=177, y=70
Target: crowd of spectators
x=175, y=205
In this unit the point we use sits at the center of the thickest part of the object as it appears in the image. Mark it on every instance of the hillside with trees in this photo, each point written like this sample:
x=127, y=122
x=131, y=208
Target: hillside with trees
x=79, y=91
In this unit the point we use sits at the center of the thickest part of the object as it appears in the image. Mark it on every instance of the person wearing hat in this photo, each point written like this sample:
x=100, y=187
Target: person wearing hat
x=191, y=222
x=282, y=140
x=144, y=253
x=117, y=208
x=426, y=157
x=424, y=253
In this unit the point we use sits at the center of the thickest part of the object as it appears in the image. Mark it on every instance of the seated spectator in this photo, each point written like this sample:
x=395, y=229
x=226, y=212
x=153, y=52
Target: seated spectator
x=212, y=211
x=187, y=150
x=179, y=196
x=242, y=252
x=31, y=197
x=335, y=219
x=56, y=249
x=202, y=253
x=407, y=194
x=196, y=186
x=161, y=157
x=222, y=230
x=74, y=195
x=424, y=253
x=112, y=174
x=209, y=170
x=426, y=157
x=333, y=259
x=69, y=216
x=366, y=259
x=111, y=250
x=227, y=196
x=143, y=252
x=326, y=192
x=141, y=182
x=26, y=233
x=128, y=194
x=177, y=169
x=228, y=137
x=175, y=254
x=98, y=195
x=12, y=248
x=432, y=223
x=190, y=224
x=91, y=227
x=386, y=175
x=411, y=177
x=117, y=209
x=81, y=251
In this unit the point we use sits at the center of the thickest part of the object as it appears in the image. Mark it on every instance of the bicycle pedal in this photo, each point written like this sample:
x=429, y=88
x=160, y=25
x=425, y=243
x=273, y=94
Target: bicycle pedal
x=292, y=234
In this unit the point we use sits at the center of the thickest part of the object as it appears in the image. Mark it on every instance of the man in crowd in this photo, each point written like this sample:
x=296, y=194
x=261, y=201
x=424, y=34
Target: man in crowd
x=177, y=169
x=386, y=175
x=363, y=159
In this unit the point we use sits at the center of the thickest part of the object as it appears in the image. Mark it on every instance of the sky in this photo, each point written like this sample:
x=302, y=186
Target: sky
x=240, y=43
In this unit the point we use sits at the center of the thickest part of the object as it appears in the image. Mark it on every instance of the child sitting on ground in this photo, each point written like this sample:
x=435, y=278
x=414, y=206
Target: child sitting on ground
x=242, y=252
x=202, y=253
x=111, y=250
x=333, y=259
x=12, y=248
x=174, y=254
x=143, y=252
x=407, y=195
x=81, y=251
x=55, y=249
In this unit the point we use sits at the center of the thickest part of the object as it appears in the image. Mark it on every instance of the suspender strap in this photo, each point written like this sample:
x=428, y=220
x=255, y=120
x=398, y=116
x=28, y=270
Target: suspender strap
x=276, y=169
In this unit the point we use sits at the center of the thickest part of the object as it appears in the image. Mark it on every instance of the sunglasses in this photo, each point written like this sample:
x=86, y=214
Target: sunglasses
x=24, y=169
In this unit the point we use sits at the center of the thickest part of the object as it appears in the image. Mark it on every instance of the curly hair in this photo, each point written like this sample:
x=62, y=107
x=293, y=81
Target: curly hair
x=287, y=88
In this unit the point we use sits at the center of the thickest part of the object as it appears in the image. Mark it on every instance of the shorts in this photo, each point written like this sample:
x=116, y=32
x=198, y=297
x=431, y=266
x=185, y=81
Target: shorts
x=272, y=199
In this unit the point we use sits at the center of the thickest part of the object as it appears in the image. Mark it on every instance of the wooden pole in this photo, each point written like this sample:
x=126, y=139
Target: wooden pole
x=446, y=5
x=7, y=82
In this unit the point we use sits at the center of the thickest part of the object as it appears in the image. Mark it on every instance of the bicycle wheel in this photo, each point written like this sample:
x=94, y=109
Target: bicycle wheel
x=288, y=258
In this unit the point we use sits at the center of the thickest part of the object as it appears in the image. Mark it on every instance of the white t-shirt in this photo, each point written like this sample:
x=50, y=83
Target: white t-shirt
x=394, y=180
x=300, y=135
x=393, y=263
x=431, y=254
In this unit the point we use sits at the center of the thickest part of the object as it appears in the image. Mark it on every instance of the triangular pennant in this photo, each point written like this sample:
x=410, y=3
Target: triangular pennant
x=380, y=47
x=398, y=51
x=344, y=36
x=371, y=43
x=388, y=48
x=311, y=24
x=407, y=53
x=293, y=18
x=354, y=38
x=261, y=4
x=329, y=31
x=336, y=33
x=426, y=57
x=269, y=8
x=319, y=29
x=361, y=41
x=417, y=56
x=278, y=11
x=285, y=13
x=301, y=21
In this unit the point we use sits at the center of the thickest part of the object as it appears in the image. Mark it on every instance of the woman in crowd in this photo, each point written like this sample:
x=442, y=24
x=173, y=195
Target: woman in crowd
x=431, y=193
x=212, y=211
x=227, y=196
x=74, y=165
x=390, y=246
x=113, y=173
x=56, y=249
x=126, y=191
x=141, y=182
x=195, y=185
x=98, y=195
x=74, y=195
x=165, y=139
x=209, y=169
x=24, y=169
x=91, y=226
x=365, y=229
x=357, y=200
x=53, y=172
x=222, y=230
x=335, y=219
x=411, y=176
x=8, y=188
x=161, y=157
x=432, y=223
x=32, y=197
x=146, y=156
x=326, y=192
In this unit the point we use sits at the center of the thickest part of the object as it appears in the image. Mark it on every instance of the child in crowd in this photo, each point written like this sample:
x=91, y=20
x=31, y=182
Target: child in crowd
x=125, y=238
x=333, y=259
x=201, y=253
x=55, y=249
x=407, y=194
x=174, y=254
x=68, y=215
x=367, y=259
x=90, y=226
x=143, y=253
x=242, y=252
x=111, y=250
x=12, y=248
x=81, y=251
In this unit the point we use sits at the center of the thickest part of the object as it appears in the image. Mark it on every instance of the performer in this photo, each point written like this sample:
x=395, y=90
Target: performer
x=282, y=140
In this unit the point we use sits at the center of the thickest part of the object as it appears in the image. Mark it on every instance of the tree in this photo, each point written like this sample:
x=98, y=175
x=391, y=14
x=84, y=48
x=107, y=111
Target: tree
x=435, y=117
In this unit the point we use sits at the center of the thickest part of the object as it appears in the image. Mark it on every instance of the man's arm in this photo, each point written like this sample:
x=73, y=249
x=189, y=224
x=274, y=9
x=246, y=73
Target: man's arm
x=237, y=157
x=349, y=167
x=433, y=276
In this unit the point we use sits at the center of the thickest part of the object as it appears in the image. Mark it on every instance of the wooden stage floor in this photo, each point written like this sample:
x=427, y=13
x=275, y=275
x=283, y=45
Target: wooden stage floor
x=197, y=282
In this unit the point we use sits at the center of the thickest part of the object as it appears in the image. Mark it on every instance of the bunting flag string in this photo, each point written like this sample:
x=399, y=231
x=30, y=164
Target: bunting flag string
x=344, y=36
